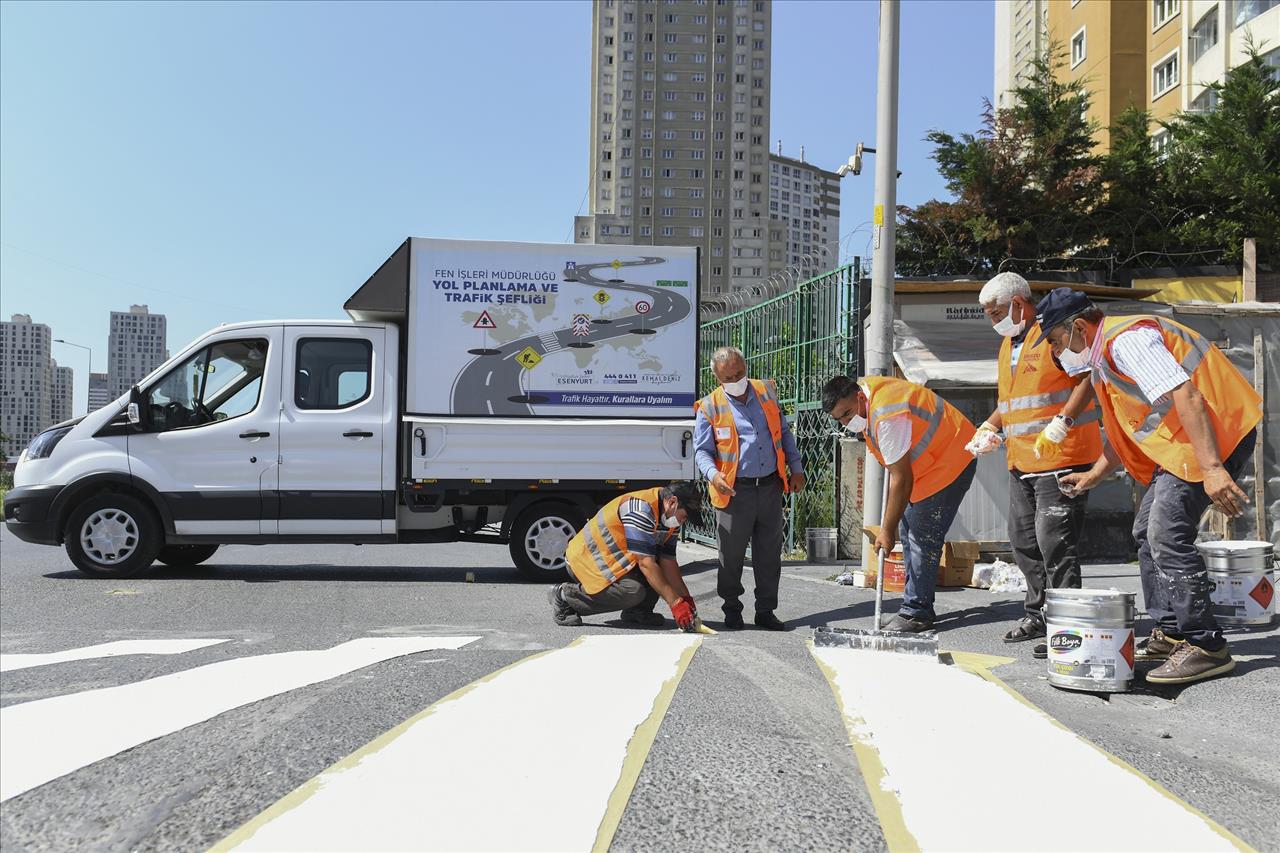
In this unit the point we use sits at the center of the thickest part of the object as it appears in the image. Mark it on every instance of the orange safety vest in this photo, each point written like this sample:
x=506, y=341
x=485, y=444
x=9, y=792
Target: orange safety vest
x=720, y=415
x=1030, y=395
x=598, y=555
x=1146, y=436
x=938, y=431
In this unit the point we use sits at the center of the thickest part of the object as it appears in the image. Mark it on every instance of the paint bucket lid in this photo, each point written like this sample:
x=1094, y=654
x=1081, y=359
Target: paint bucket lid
x=1090, y=605
x=1087, y=594
x=1237, y=547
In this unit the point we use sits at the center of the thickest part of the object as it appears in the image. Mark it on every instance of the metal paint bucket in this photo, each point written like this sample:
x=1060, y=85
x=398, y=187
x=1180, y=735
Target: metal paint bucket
x=895, y=571
x=1243, y=581
x=820, y=544
x=1090, y=637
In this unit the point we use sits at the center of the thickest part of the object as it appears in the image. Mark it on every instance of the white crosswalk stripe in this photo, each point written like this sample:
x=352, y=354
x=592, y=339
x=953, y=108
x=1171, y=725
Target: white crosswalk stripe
x=48, y=738
x=433, y=783
x=118, y=648
x=550, y=343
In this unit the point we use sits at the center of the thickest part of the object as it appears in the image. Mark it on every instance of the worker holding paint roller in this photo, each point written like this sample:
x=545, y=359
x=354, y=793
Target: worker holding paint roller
x=1182, y=419
x=920, y=440
x=625, y=559
x=1050, y=426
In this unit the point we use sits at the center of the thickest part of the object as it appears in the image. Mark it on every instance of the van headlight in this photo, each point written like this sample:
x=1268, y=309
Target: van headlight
x=43, y=444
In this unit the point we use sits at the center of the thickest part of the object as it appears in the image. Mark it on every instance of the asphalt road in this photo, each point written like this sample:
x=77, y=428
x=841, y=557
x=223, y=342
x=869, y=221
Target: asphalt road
x=752, y=753
x=489, y=382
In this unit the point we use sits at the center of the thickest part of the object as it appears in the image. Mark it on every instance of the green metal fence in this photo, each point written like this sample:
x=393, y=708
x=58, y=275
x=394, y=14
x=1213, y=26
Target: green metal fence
x=799, y=339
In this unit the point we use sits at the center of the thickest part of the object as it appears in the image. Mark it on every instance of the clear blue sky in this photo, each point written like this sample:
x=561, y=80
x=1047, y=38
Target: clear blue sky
x=236, y=161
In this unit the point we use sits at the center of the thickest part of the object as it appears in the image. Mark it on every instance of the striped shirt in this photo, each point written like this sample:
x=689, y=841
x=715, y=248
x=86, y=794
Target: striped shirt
x=1140, y=353
x=641, y=528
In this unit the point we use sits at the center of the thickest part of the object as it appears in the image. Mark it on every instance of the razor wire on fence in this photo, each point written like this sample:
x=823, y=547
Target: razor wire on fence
x=799, y=339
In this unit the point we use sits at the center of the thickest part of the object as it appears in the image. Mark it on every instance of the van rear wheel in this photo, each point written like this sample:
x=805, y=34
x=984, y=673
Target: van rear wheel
x=539, y=539
x=113, y=535
x=184, y=556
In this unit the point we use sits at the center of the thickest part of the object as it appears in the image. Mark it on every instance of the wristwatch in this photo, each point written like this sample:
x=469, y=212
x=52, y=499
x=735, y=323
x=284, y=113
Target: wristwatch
x=1070, y=422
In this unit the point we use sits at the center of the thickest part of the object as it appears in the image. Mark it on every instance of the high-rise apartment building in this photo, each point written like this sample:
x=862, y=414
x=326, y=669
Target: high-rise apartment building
x=804, y=215
x=62, y=393
x=26, y=379
x=679, y=130
x=1157, y=55
x=1022, y=35
x=99, y=392
x=135, y=347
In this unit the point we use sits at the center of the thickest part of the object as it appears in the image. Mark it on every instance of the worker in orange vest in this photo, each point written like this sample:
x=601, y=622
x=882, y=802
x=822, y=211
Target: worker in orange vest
x=1050, y=426
x=625, y=559
x=744, y=448
x=1182, y=420
x=920, y=440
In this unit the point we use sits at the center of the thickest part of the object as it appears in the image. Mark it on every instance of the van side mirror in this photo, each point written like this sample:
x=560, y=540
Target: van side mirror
x=137, y=411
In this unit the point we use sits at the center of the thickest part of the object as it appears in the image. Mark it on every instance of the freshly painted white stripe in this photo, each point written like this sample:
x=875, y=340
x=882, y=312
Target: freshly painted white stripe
x=8, y=663
x=941, y=732
x=526, y=760
x=48, y=738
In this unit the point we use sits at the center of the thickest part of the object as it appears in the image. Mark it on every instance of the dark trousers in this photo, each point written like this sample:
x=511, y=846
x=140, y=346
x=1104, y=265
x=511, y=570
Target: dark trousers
x=631, y=592
x=923, y=532
x=1175, y=583
x=753, y=517
x=1044, y=530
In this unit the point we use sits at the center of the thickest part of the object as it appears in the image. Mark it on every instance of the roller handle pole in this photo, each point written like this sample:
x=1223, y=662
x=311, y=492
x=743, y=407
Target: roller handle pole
x=884, y=500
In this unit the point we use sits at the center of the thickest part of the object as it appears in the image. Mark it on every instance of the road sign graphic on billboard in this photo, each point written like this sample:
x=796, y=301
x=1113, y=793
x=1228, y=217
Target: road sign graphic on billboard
x=542, y=306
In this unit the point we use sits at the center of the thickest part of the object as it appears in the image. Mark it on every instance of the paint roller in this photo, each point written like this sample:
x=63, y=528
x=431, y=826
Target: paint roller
x=877, y=639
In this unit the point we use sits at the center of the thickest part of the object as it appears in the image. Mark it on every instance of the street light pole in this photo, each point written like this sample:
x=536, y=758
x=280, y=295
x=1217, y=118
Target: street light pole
x=879, y=342
x=89, y=379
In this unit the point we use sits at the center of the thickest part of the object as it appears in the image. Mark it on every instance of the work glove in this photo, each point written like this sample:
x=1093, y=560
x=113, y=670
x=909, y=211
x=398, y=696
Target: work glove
x=1051, y=436
x=684, y=611
x=985, y=440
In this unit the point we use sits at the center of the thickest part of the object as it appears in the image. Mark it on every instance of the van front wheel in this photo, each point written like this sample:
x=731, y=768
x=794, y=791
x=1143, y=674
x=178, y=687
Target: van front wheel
x=113, y=535
x=539, y=539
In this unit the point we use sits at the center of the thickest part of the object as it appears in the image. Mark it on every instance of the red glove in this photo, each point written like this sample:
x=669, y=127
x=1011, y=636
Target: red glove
x=683, y=611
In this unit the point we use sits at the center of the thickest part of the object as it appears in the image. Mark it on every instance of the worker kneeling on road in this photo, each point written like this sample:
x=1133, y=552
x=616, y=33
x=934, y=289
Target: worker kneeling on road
x=1182, y=419
x=1050, y=424
x=625, y=559
x=920, y=440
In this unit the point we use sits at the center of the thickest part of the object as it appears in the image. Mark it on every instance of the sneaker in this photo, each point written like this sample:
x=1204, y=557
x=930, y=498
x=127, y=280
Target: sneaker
x=1156, y=647
x=1040, y=651
x=1188, y=663
x=907, y=625
x=560, y=611
x=643, y=618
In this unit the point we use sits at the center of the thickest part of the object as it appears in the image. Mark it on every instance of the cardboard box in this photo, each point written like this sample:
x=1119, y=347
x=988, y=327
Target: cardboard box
x=955, y=568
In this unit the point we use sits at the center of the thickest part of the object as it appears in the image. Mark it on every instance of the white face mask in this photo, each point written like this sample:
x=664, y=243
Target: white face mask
x=736, y=389
x=670, y=522
x=1007, y=327
x=856, y=424
x=1075, y=363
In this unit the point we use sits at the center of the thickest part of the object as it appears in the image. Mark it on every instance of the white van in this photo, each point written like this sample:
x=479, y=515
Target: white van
x=466, y=399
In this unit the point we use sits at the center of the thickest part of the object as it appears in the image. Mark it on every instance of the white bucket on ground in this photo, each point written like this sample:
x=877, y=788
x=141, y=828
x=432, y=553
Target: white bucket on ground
x=1090, y=637
x=1243, y=581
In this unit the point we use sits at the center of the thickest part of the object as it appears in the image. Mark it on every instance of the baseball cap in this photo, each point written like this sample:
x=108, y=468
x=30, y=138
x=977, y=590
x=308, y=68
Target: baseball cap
x=1061, y=305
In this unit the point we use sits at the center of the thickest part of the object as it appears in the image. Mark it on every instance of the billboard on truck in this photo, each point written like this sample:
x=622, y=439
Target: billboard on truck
x=500, y=329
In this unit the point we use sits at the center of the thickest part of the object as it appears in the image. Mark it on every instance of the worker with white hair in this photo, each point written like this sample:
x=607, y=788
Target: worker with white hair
x=1049, y=423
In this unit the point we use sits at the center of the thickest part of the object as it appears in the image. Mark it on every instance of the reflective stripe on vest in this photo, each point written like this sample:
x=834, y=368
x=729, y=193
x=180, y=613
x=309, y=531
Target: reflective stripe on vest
x=597, y=554
x=1153, y=434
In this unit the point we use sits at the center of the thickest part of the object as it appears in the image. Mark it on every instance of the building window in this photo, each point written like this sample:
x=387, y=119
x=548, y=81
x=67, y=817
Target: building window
x=1162, y=11
x=1164, y=75
x=668, y=231
x=1204, y=35
x=1247, y=10
x=1205, y=102
x=1077, y=48
x=695, y=231
x=1160, y=143
x=1271, y=59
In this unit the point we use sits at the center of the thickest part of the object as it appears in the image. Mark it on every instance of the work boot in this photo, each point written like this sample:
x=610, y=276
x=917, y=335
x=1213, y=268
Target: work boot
x=644, y=618
x=733, y=622
x=1040, y=651
x=770, y=622
x=560, y=610
x=1188, y=663
x=907, y=624
x=1156, y=647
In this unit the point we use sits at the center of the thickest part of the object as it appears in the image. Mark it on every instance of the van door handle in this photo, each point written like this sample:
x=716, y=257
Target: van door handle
x=251, y=434
x=357, y=433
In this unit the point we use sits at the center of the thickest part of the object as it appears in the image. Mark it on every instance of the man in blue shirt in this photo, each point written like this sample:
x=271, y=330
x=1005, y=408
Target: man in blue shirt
x=745, y=450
